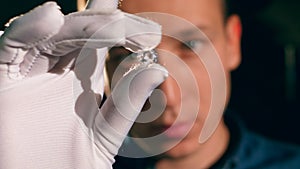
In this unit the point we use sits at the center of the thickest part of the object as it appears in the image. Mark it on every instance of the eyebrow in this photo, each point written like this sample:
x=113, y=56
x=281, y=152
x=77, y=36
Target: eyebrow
x=199, y=31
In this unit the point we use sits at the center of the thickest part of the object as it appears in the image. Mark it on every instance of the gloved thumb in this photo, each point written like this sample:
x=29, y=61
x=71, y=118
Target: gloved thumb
x=122, y=107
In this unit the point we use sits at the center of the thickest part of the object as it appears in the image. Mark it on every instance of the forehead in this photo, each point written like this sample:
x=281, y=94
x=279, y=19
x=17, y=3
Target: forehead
x=195, y=11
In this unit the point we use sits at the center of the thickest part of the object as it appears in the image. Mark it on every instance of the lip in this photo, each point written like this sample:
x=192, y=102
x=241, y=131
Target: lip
x=179, y=130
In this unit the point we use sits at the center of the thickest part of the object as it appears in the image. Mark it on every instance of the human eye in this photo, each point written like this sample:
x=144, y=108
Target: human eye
x=193, y=44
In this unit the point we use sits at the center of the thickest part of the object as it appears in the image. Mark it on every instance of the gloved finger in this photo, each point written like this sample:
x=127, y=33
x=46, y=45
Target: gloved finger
x=141, y=34
x=28, y=30
x=93, y=29
x=91, y=77
x=88, y=29
x=85, y=29
x=102, y=4
x=124, y=104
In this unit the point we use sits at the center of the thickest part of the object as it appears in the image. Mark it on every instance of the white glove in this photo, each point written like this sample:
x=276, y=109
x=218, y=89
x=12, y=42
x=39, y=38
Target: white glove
x=49, y=114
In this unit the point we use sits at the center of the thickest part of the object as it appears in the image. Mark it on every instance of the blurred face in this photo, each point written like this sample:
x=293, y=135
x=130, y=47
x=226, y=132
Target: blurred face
x=197, y=46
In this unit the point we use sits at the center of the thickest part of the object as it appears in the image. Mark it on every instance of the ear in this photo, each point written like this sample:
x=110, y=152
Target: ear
x=233, y=35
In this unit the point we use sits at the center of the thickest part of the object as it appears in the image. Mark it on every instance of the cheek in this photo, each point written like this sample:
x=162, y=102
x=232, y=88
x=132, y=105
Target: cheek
x=203, y=81
x=223, y=53
x=223, y=78
x=213, y=83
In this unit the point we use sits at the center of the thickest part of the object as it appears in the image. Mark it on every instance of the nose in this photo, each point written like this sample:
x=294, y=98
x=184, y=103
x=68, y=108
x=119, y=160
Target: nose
x=172, y=101
x=171, y=92
x=167, y=54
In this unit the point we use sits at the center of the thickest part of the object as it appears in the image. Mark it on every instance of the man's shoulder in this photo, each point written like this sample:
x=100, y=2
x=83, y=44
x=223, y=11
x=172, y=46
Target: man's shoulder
x=253, y=150
x=257, y=151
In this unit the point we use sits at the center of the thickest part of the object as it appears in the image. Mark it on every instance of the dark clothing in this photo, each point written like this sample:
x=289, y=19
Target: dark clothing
x=246, y=150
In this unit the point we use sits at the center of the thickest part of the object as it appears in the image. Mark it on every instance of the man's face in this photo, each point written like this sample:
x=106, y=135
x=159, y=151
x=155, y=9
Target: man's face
x=185, y=50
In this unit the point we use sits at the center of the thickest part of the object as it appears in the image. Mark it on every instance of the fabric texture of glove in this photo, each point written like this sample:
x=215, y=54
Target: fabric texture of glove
x=51, y=81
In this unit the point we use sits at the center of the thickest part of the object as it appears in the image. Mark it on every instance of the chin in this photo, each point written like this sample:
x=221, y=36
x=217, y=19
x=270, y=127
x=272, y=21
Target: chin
x=186, y=147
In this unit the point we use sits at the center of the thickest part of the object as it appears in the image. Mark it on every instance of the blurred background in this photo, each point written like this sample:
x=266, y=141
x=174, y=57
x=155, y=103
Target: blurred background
x=266, y=87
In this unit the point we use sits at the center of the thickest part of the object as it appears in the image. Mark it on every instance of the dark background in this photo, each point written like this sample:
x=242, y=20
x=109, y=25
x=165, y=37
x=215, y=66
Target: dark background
x=266, y=87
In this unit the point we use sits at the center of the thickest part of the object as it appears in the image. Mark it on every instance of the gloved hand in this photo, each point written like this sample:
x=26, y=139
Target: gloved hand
x=51, y=81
